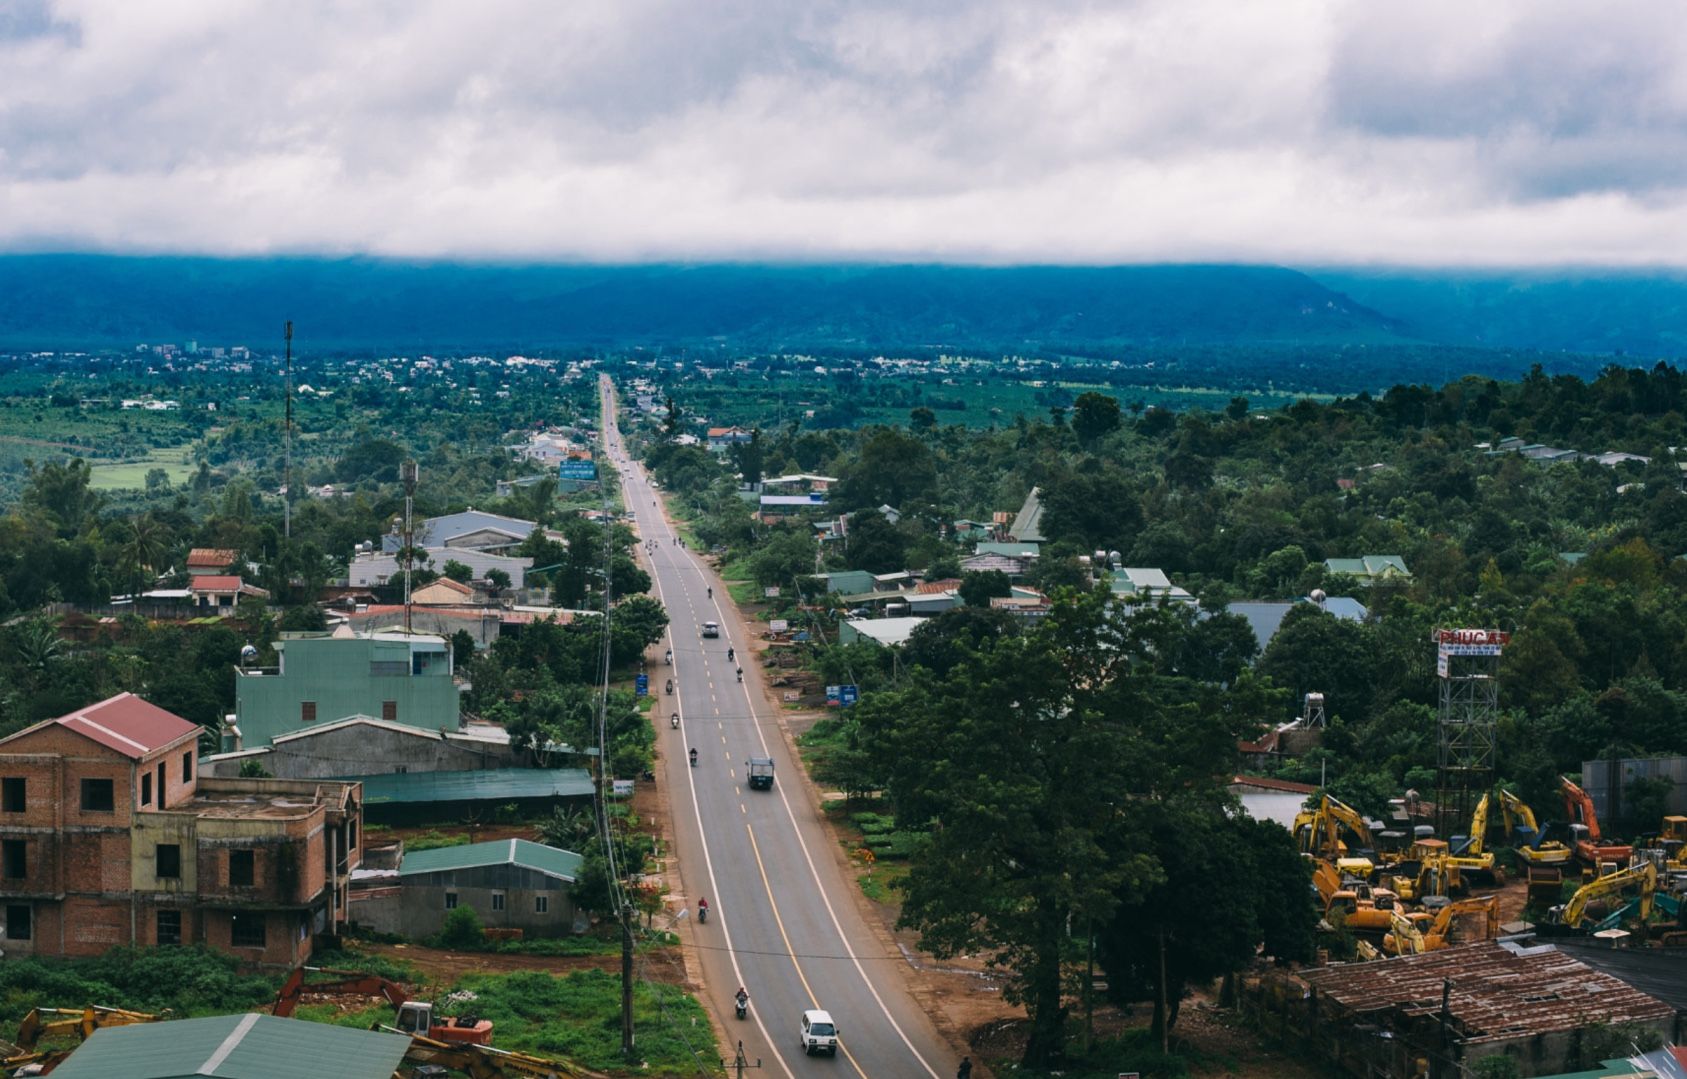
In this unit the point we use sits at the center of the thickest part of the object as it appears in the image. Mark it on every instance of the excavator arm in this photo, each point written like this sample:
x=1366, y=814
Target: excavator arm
x=1579, y=807
x=1517, y=811
x=1488, y=905
x=1645, y=876
x=485, y=1062
x=348, y=981
x=1478, y=830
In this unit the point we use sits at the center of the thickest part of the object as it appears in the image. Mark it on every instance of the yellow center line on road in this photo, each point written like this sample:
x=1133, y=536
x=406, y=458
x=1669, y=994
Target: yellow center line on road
x=789, y=949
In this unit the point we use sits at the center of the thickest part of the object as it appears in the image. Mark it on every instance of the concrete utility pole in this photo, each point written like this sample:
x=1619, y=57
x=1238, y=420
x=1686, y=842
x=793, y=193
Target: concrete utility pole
x=627, y=980
x=407, y=473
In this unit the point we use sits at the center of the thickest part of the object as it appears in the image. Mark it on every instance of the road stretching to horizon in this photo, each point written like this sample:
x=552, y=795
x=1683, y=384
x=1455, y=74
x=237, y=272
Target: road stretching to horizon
x=783, y=920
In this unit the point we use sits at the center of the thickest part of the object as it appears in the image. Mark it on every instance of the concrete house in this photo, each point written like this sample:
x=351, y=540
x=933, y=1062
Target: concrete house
x=368, y=746
x=109, y=835
x=211, y=561
x=509, y=883
x=221, y=592
x=472, y=529
x=369, y=569
x=322, y=678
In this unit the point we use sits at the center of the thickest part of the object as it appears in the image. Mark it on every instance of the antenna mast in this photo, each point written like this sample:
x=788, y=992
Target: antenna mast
x=407, y=473
x=287, y=452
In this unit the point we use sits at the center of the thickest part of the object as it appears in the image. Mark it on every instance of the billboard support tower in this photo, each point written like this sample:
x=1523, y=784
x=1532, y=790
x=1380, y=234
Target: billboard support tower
x=1467, y=663
x=287, y=446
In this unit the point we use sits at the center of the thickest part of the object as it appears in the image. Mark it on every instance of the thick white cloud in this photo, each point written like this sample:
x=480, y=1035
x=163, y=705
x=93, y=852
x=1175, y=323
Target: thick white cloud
x=1506, y=132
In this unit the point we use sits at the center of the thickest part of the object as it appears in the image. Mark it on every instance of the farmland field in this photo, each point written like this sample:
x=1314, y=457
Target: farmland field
x=118, y=475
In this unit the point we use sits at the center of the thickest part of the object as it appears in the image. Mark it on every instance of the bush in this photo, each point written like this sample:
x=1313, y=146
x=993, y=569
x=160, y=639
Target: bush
x=433, y=840
x=462, y=930
x=185, y=981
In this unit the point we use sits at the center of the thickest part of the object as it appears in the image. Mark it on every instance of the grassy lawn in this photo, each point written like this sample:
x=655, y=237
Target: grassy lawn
x=116, y=475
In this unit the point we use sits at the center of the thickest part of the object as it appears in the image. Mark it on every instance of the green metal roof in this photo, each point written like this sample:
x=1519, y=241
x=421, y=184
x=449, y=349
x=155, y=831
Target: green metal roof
x=504, y=783
x=552, y=861
x=236, y=1047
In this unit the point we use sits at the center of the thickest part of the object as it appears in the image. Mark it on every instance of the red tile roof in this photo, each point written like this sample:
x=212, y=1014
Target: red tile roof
x=128, y=725
x=218, y=557
x=926, y=588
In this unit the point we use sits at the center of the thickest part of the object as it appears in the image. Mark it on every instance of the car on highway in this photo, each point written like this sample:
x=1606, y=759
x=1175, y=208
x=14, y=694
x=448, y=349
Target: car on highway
x=819, y=1033
x=760, y=770
x=711, y=629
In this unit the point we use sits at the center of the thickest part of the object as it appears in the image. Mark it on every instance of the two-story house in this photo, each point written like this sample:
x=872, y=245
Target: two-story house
x=322, y=678
x=108, y=836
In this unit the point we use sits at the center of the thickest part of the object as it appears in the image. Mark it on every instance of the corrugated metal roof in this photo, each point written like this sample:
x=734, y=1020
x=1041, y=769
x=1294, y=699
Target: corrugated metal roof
x=552, y=861
x=1497, y=995
x=236, y=1047
x=412, y=787
x=124, y=723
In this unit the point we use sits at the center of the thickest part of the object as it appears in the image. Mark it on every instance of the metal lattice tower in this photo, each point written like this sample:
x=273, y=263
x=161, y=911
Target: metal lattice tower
x=1467, y=662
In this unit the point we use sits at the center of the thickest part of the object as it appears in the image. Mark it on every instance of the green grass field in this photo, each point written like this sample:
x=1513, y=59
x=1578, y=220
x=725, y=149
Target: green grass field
x=118, y=475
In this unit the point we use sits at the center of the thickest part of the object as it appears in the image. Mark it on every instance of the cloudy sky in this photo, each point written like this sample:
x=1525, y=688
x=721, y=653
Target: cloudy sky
x=1315, y=132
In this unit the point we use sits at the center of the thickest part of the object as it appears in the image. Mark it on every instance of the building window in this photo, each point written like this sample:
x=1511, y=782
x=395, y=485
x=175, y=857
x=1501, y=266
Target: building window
x=169, y=927
x=242, y=868
x=187, y=767
x=169, y=857
x=389, y=711
x=160, y=784
x=247, y=931
x=497, y=900
x=19, y=923
x=98, y=796
x=401, y=770
x=351, y=834
x=146, y=788
x=307, y=712
x=11, y=794
x=14, y=858
x=541, y=904
x=450, y=900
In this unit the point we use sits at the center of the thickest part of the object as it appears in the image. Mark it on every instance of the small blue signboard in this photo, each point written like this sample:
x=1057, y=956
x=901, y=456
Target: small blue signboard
x=578, y=470
x=643, y=684
x=848, y=695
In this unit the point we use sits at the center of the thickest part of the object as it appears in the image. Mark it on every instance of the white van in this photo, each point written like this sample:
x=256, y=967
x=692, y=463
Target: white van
x=819, y=1035
x=711, y=629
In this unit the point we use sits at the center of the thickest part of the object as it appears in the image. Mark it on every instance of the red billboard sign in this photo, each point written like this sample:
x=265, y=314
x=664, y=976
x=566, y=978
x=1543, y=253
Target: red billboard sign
x=1472, y=636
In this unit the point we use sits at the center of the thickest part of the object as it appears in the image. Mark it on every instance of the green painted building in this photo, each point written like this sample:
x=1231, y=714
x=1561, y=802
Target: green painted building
x=325, y=677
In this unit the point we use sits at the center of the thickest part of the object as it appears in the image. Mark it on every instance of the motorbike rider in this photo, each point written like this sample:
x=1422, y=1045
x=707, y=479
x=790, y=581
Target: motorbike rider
x=674, y=719
x=711, y=591
x=730, y=655
x=693, y=756
x=740, y=674
x=743, y=1000
x=702, y=905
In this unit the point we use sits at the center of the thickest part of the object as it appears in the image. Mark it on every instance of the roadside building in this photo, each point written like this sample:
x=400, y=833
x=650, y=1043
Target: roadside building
x=1146, y=585
x=369, y=746
x=885, y=631
x=722, y=437
x=416, y=798
x=471, y=529
x=443, y=592
x=245, y=1046
x=109, y=835
x=326, y=677
x=508, y=883
x=371, y=569
x=1271, y=799
x=1265, y=618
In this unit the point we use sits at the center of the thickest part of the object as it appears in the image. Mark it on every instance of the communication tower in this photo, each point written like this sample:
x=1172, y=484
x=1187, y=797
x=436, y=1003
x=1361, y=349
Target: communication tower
x=407, y=474
x=1467, y=663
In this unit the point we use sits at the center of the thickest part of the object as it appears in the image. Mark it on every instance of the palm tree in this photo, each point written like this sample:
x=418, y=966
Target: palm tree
x=38, y=649
x=145, y=547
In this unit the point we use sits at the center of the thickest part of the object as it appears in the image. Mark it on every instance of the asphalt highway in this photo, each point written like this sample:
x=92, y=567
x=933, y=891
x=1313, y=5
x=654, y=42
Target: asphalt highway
x=783, y=920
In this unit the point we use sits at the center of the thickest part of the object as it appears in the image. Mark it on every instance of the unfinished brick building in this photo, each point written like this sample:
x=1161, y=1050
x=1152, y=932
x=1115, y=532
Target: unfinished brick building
x=108, y=835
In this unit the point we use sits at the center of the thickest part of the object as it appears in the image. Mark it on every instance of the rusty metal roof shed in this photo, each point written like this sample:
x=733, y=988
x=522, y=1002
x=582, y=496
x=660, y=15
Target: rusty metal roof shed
x=1497, y=994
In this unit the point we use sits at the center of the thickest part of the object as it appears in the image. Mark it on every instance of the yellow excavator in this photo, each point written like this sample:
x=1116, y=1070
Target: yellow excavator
x=1474, y=855
x=1417, y=933
x=46, y=1023
x=1643, y=876
x=1319, y=831
x=1525, y=832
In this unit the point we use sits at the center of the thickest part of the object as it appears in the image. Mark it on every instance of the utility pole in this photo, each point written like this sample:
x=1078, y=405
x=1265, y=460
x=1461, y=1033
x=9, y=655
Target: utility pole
x=287, y=446
x=740, y=1063
x=407, y=472
x=627, y=980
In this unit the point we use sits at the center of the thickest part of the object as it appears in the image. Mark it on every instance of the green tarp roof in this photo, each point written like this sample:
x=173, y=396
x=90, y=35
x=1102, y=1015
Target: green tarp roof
x=499, y=783
x=236, y=1047
x=552, y=861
